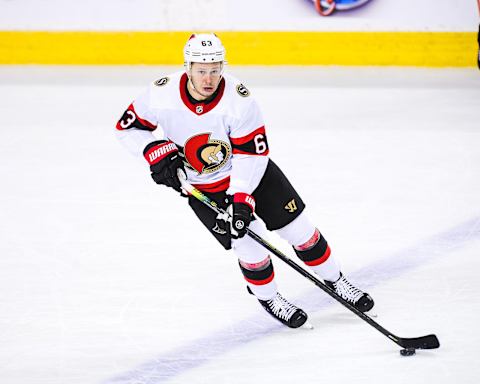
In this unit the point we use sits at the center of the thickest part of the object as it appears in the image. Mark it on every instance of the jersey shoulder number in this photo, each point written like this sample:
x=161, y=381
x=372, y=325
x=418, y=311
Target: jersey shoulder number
x=255, y=143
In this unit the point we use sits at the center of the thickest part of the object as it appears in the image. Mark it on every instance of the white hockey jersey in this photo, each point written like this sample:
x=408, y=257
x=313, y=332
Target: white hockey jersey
x=223, y=141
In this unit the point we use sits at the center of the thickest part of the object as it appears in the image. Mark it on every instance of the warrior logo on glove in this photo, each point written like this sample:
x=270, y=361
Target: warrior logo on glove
x=206, y=155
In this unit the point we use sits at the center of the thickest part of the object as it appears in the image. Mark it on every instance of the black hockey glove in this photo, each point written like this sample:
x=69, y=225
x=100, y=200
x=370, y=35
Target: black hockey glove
x=164, y=161
x=239, y=214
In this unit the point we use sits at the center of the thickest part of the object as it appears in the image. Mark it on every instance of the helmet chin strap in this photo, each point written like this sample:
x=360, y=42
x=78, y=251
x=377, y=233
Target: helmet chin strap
x=193, y=85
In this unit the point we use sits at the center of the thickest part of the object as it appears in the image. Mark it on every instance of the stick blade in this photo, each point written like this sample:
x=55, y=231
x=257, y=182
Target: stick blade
x=423, y=342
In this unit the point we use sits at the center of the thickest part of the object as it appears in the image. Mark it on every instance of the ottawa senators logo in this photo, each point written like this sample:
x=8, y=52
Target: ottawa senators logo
x=242, y=90
x=161, y=82
x=206, y=155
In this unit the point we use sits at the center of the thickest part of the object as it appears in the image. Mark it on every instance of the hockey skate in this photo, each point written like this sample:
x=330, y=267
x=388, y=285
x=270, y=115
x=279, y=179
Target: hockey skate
x=284, y=311
x=347, y=291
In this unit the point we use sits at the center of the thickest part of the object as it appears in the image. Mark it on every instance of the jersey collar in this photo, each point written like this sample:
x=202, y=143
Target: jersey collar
x=200, y=108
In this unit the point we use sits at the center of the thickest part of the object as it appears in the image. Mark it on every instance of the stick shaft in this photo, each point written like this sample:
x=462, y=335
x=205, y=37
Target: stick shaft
x=426, y=342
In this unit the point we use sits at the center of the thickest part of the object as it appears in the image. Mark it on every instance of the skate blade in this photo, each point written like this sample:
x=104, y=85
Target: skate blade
x=307, y=325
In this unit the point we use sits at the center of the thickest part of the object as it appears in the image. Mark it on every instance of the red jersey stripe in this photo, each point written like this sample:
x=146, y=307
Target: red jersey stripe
x=144, y=122
x=247, y=138
x=130, y=119
x=236, y=151
x=218, y=186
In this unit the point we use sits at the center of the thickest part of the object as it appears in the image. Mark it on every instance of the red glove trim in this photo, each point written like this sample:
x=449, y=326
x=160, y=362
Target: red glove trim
x=244, y=198
x=159, y=152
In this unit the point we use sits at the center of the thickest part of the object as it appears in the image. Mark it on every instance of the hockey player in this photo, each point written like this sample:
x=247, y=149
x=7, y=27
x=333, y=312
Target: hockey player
x=211, y=129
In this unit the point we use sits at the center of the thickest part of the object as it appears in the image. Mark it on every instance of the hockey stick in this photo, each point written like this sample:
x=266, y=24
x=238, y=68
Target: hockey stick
x=410, y=344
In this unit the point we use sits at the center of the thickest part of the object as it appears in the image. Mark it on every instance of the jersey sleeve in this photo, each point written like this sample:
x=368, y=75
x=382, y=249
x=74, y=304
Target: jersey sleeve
x=135, y=128
x=248, y=136
x=249, y=150
x=138, y=115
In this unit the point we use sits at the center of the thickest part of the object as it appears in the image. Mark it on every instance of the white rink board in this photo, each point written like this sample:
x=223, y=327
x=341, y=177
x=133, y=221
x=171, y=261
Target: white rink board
x=108, y=278
x=245, y=15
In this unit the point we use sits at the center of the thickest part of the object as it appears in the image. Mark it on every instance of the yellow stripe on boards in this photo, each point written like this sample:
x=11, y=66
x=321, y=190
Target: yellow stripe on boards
x=430, y=49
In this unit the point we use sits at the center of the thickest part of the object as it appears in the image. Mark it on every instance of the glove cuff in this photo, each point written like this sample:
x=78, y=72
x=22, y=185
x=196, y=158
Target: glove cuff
x=158, y=150
x=244, y=198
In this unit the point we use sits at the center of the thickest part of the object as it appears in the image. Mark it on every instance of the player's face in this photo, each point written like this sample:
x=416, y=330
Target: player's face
x=205, y=78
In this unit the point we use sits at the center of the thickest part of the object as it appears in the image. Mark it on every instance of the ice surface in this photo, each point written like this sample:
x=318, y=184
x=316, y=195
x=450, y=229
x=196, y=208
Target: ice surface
x=107, y=278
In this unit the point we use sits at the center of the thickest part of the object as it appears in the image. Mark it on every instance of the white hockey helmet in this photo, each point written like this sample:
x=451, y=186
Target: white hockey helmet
x=203, y=48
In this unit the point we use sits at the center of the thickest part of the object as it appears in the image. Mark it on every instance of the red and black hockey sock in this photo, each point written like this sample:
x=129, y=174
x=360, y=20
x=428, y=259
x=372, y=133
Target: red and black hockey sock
x=315, y=251
x=316, y=254
x=259, y=273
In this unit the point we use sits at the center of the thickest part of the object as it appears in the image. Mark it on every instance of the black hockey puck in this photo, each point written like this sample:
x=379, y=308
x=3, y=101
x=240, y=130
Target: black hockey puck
x=407, y=352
